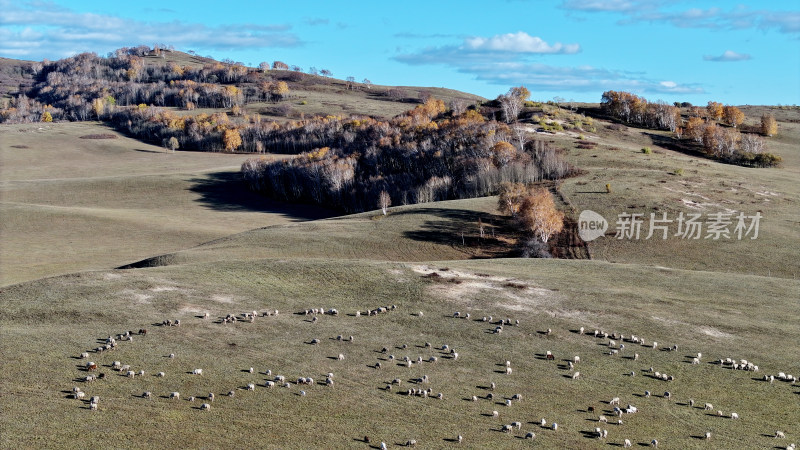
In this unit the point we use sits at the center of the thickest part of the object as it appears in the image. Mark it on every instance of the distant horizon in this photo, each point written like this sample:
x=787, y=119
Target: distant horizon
x=670, y=50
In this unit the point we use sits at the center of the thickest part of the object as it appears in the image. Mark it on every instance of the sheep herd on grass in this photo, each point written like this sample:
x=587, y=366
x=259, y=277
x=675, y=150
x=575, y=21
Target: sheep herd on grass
x=614, y=343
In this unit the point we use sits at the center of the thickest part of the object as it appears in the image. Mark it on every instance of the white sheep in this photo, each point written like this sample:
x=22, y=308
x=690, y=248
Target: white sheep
x=130, y=374
x=707, y=436
x=175, y=395
x=251, y=387
x=530, y=435
x=210, y=396
x=383, y=446
x=695, y=361
x=734, y=415
x=780, y=435
x=654, y=443
x=507, y=428
x=508, y=370
x=543, y=422
x=602, y=419
x=147, y=394
x=614, y=401
x=205, y=407
x=84, y=355
x=627, y=444
x=554, y=426
x=576, y=375
x=708, y=407
x=197, y=372
x=576, y=359
x=495, y=414
x=80, y=394
x=93, y=406
x=340, y=357
x=455, y=356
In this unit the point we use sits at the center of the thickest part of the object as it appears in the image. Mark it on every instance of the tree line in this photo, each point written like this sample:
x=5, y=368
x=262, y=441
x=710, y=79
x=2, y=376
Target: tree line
x=715, y=129
x=426, y=154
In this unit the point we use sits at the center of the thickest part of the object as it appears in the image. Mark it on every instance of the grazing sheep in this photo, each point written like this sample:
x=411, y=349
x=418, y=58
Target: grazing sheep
x=489, y=396
x=507, y=428
x=495, y=414
x=647, y=394
x=231, y=393
x=517, y=397
x=455, y=356
x=383, y=446
x=171, y=355
x=508, y=370
x=160, y=374
x=314, y=341
x=411, y=443
x=635, y=356
x=691, y=402
x=191, y=399
x=780, y=435
x=543, y=422
x=530, y=435
x=210, y=396
x=517, y=425
x=147, y=394
x=93, y=406
x=140, y=373
x=250, y=370
x=576, y=375
x=79, y=394
x=734, y=415
x=205, y=407
x=130, y=374
x=708, y=407
x=627, y=443
x=175, y=395
x=251, y=387
x=474, y=398
x=576, y=359
x=654, y=443
x=707, y=436
x=508, y=402
x=614, y=401
x=340, y=357
x=667, y=395
x=197, y=372
x=554, y=426
x=420, y=314
x=602, y=419
x=440, y=396
x=695, y=361
x=84, y=355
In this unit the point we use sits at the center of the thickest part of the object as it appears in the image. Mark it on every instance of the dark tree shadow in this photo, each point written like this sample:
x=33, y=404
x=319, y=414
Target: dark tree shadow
x=226, y=191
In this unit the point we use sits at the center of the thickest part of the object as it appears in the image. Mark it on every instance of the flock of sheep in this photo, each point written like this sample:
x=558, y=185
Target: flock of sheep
x=615, y=345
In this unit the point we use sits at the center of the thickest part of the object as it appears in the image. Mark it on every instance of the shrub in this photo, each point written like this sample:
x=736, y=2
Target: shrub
x=608, y=188
x=647, y=150
x=678, y=172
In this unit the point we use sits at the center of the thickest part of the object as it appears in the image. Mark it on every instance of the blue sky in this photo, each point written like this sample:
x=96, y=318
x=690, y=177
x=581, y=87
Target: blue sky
x=734, y=52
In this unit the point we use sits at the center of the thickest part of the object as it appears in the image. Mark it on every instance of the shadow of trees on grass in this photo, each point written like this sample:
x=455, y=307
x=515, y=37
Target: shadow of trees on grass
x=225, y=191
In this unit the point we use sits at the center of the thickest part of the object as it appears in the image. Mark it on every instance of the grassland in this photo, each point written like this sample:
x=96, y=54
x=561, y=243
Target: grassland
x=721, y=316
x=70, y=204
x=75, y=208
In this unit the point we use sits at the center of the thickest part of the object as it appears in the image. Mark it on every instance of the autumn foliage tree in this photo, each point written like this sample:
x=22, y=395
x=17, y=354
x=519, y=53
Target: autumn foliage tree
x=769, y=126
x=539, y=214
x=714, y=111
x=533, y=207
x=733, y=116
x=231, y=139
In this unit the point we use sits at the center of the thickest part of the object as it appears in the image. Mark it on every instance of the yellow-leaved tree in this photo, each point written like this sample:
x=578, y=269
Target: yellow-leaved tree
x=231, y=139
x=769, y=126
x=733, y=116
x=538, y=213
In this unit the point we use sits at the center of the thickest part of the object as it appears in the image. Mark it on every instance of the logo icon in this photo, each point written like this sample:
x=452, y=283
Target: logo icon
x=591, y=225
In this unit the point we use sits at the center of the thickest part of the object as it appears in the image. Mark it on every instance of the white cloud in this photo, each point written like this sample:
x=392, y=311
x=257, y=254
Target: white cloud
x=738, y=17
x=43, y=29
x=519, y=42
x=727, y=56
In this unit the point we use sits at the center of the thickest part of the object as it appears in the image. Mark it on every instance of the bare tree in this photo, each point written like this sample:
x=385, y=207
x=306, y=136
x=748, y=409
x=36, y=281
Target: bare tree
x=384, y=201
